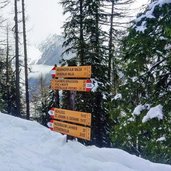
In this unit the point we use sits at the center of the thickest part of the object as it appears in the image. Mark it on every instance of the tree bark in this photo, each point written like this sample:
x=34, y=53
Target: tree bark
x=25, y=62
x=17, y=61
x=110, y=43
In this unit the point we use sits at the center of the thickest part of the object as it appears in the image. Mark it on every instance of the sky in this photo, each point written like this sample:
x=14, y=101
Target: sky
x=29, y=146
x=45, y=17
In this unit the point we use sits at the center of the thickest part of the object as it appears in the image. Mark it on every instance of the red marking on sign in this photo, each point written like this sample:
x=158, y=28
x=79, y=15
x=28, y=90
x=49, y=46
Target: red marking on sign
x=88, y=85
x=53, y=72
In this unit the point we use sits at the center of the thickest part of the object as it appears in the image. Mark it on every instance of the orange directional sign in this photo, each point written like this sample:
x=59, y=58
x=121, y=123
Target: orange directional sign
x=73, y=72
x=71, y=116
x=71, y=129
x=71, y=84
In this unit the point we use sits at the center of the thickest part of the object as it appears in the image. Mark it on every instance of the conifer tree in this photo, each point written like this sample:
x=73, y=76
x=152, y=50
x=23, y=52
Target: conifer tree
x=7, y=83
x=117, y=14
x=85, y=38
x=146, y=70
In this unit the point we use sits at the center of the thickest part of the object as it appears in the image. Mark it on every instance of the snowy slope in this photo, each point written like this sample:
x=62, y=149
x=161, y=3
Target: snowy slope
x=149, y=14
x=52, y=50
x=28, y=146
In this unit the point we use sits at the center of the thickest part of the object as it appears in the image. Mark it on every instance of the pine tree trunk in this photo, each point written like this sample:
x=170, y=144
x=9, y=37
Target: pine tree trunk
x=17, y=113
x=25, y=63
x=110, y=43
x=81, y=34
x=7, y=74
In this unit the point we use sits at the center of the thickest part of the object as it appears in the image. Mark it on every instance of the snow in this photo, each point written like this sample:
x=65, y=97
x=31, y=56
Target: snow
x=142, y=27
x=138, y=109
x=161, y=139
x=149, y=14
x=154, y=112
x=117, y=96
x=28, y=146
x=33, y=55
x=167, y=47
x=131, y=119
x=95, y=85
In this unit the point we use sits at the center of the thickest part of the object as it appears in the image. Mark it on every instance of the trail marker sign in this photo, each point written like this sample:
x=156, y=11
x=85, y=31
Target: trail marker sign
x=73, y=72
x=71, y=84
x=70, y=129
x=71, y=116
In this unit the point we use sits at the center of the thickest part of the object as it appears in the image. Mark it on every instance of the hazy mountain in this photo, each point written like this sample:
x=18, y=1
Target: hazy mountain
x=51, y=50
x=50, y=54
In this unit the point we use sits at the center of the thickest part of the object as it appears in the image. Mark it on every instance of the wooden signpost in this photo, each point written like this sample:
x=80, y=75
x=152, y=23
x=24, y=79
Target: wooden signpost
x=64, y=120
x=71, y=129
x=71, y=116
x=71, y=84
x=73, y=72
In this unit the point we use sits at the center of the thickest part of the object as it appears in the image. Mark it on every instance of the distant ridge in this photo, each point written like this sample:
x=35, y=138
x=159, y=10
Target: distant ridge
x=51, y=50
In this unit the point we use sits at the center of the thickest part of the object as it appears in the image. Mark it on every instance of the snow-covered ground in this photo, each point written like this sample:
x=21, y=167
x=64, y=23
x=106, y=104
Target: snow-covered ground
x=28, y=146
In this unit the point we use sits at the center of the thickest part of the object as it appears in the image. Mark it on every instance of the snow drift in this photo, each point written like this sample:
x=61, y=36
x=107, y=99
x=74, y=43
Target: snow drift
x=28, y=146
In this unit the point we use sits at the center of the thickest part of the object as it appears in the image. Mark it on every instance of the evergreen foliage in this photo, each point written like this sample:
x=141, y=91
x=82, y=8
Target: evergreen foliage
x=42, y=101
x=147, y=73
x=85, y=38
x=7, y=84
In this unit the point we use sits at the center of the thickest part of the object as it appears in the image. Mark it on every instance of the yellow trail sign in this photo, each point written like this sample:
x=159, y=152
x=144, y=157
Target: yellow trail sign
x=71, y=116
x=73, y=72
x=71, y=84
x=71, y=129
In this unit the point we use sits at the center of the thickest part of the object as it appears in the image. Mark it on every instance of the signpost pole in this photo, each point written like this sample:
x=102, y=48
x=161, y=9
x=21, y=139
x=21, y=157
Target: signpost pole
x=56, y=98
x=72, y=95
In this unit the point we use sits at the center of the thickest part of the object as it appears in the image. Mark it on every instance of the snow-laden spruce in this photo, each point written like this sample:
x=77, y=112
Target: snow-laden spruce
x=28, y=146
